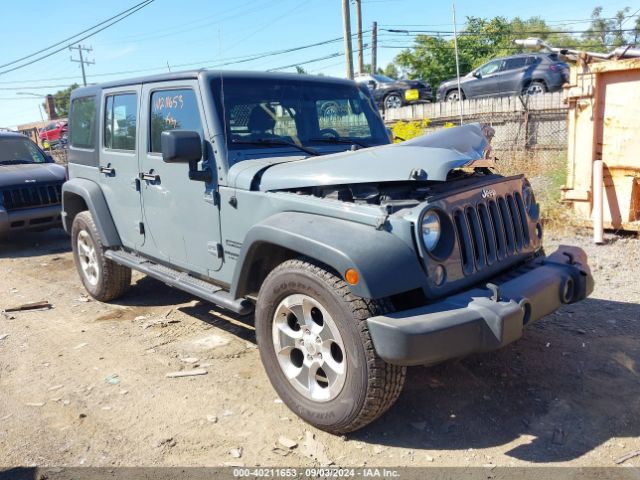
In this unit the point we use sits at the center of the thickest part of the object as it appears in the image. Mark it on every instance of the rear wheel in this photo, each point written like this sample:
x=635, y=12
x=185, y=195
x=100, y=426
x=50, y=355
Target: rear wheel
x=535, y=88
x=316, y=348
x=103, y=278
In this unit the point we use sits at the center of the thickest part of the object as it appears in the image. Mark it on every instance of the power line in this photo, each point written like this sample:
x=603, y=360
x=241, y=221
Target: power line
x=68, y=39
x=142, y=5
x=209, y=62
x=521, y=32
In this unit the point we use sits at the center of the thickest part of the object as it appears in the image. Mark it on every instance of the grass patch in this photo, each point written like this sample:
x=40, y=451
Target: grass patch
x=547, y=172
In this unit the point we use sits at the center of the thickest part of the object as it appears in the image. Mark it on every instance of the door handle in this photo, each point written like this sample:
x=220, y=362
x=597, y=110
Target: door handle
x=107, y=170
x=149, y=177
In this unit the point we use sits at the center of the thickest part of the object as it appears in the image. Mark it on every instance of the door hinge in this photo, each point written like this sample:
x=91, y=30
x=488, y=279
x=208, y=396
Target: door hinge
x=141, y=228
x=215, y=248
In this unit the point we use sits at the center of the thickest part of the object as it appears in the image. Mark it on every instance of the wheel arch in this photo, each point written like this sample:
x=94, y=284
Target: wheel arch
x=378, y=255
x=79, y=194
x=455, y=89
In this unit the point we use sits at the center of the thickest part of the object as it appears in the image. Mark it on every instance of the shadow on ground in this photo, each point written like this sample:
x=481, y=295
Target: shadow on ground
x=35, y=244
x=570, y=384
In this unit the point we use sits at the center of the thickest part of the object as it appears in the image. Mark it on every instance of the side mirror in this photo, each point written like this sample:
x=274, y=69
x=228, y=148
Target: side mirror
x=184, y=146
x=180, y=146
x=477, y=74
x=371, y=84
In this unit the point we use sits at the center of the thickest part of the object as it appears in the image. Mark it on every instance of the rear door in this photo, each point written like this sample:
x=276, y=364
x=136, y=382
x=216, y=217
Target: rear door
x=512, y=75
x=181, y=216
x=118, y=168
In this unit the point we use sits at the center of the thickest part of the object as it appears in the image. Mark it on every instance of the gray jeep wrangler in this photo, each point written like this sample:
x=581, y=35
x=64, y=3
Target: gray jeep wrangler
x=357, y=257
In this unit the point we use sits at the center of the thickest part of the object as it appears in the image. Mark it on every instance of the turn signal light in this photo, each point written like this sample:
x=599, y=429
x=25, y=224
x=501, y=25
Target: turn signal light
x=351, y=276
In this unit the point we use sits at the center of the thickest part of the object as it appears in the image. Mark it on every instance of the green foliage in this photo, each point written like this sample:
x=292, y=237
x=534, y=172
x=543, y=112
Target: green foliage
x=61, y=100
x=432, y=58
x=300, y=70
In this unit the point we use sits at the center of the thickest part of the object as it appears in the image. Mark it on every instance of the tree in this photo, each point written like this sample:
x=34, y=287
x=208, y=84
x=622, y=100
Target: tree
x=390, y=71
x=61, y=100
x=432, y=57
x=300, y=70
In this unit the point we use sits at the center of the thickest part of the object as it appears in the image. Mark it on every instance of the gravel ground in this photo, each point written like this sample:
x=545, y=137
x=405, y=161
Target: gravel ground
x=84, y=383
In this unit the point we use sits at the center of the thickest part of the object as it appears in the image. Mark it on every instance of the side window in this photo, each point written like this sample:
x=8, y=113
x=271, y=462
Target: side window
x=514, y=63
x=532, y=60
x=173, y=110
x=489, y=68
x=120, y=121
x=82, y=122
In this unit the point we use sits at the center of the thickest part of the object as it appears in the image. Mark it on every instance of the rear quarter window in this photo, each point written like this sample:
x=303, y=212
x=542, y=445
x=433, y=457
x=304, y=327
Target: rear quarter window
x=82, y=121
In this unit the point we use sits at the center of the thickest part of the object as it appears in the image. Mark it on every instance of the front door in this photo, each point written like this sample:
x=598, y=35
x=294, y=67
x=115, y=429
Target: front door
x=181, y=216
x=118, y=169
x=487, y=82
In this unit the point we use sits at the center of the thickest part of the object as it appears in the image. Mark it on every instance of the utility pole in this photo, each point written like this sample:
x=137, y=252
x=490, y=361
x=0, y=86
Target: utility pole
x=455, y=45
x=346, y=21
x=359, y=26
x=82, y=61
x=374, y=48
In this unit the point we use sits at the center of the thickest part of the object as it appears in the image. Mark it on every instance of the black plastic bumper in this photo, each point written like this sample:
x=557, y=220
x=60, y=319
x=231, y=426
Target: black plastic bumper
x=30, y=218
x=483, y=319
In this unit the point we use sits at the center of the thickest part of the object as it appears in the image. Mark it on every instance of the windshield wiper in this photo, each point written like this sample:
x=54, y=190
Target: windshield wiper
x=275, y=142
x=14, y=162
x=345, y=140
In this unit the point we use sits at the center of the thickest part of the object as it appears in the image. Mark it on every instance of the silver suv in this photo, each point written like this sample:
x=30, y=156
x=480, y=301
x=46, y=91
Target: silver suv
x=357, y=257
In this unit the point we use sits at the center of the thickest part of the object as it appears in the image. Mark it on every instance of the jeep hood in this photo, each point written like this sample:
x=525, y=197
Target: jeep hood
x=429, y=157
x=30, y=173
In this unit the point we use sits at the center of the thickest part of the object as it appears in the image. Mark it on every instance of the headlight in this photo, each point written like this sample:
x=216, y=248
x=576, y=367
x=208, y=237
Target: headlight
x=528, y=197
x=430, y=229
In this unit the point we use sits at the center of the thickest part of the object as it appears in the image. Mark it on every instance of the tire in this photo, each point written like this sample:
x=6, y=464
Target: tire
x=452, y=95
x=357, y=386
x=104, y=279
x=392, y=100
x=535, y=88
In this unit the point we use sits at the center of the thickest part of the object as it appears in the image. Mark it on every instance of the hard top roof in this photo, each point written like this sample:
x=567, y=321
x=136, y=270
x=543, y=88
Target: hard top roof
x=207, y=75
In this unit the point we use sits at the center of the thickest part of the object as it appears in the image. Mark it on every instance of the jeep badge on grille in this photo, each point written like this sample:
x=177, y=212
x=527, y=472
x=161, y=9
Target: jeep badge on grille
x=488, y=193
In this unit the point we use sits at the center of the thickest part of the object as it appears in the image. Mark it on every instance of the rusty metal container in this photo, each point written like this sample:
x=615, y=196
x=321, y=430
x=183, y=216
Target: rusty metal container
x=604, y=124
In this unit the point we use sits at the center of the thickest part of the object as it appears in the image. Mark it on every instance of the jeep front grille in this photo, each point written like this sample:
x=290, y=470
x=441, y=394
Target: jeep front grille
x=491, y=231
x=17, y=197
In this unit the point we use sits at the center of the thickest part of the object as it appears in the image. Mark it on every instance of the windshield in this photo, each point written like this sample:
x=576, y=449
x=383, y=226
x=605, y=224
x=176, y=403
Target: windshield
x=383, y=78
x=19, y=150
x=261, y=113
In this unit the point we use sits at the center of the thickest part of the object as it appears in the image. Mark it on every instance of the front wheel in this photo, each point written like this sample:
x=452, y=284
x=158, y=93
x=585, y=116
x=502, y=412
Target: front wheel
x=316, y=348
x=393, y=100
x=453, y=96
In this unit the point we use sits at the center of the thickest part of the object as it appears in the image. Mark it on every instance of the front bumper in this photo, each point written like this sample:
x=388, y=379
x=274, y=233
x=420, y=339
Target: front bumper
x=37, y=218
x=483, y=319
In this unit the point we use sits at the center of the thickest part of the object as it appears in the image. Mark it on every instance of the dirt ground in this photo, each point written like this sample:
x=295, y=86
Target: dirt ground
x=84, y=383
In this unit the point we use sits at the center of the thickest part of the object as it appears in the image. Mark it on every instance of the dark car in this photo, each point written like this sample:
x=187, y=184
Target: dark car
x=390, y=93
x=30, y=186
x=516, y=75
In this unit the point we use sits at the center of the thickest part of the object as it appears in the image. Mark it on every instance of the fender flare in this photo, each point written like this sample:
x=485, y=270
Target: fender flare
x=386, y=264
x=93, y=198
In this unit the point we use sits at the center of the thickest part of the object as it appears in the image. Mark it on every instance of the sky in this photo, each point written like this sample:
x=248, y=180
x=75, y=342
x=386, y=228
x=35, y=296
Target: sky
x=185, y=34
